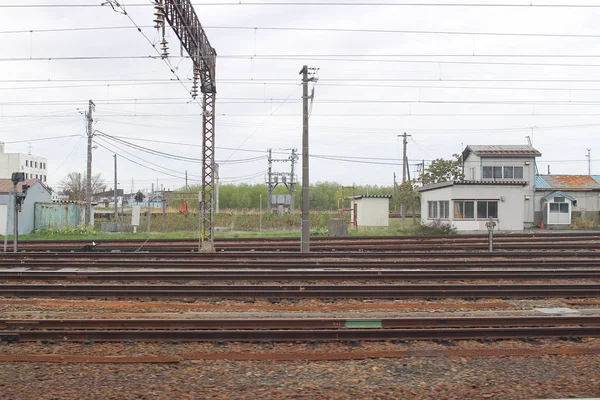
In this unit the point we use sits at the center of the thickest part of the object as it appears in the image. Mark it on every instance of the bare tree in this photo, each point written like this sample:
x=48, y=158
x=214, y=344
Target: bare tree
x=74, y=185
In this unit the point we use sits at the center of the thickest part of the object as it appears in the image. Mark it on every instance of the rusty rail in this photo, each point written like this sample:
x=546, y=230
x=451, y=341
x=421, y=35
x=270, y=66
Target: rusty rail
x=304, y=291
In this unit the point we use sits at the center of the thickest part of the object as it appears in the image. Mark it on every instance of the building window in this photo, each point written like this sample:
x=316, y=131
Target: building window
x=487, y=209
x=438, y=209
x=444, y=209
x=44, y=178
x=496, y=172
x=27, y=163
x=559, y=208
x=464, y=209
x=432, y=207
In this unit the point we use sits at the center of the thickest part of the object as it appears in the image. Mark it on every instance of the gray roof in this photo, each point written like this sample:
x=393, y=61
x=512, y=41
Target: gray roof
x=515, y=150
x=558, y=194
x=433, y=186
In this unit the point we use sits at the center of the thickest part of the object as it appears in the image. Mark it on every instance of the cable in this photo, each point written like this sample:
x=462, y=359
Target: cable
x=267, y=119
x=40, y=139
x=239, y=3
x=173, y=156
x=309, y=29
x=143, y=166
x=148, y=150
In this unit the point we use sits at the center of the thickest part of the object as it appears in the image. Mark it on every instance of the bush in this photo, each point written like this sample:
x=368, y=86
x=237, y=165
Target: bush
x=435, y=228
x=587, y=222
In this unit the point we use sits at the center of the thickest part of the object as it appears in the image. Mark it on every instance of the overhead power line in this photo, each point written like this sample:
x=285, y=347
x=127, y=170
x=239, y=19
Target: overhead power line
x=310, y=29
x=239, y=3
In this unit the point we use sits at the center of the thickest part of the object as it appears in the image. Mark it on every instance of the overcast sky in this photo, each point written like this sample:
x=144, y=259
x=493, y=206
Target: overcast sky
x=446, y=90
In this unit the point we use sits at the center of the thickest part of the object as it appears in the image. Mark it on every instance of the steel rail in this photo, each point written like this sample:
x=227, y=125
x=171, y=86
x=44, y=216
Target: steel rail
x=278, y=275
x=301, y=335
x=287, y=265
x=312, y=323
x=305, y=291
x=339, y=247
x=414, y=238
x=281, y=255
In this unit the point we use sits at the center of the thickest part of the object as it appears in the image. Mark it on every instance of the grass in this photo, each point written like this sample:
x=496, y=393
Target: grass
x=232, y=225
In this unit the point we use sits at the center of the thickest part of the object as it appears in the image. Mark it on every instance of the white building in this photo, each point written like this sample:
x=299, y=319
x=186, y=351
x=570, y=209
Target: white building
x=559, y=198
x=34, y=167
x=499, y=183
x=371, y=210
x=37, y=193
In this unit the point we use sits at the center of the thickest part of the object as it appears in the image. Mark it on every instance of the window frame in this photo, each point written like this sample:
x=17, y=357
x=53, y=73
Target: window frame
x=499, y=172
x=463, y=215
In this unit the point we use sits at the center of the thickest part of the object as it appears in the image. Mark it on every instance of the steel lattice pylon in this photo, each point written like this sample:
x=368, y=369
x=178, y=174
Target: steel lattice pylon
x=208, y=177
x=182, y=18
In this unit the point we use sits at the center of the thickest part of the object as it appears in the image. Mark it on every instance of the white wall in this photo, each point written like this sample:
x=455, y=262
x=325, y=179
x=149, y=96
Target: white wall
x=474, y=167
x=510, y=211
x=16, y=162
x=586, y=200
x=35, y=194
x=3, y=208
x=373, y=211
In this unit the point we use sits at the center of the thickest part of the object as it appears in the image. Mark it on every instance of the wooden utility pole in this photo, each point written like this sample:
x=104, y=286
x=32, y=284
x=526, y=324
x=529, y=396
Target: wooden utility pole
x=404, y=167
x=305, y=235
x=116, y=193
x=88, y=190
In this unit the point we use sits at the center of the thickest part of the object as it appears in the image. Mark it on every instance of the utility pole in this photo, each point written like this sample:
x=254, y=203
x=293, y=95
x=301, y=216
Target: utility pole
x=16, y=222
x=270, y=179
x=116, y=193
x=186, y=181
x=412, y=198
x=395, y=194
x=404, y=167
x=260, y=216
x=294, y=158
x=589, y=157
x=88, y=190
x=305, y=235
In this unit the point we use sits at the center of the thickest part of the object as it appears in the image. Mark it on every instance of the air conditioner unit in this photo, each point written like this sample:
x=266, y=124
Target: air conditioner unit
x=527, y=163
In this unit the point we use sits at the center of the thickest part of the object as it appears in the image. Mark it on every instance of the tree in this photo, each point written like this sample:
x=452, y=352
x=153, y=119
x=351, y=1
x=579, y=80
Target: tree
x=408, y=196
x=75, y=183
x=139, y=197
x=442, y=170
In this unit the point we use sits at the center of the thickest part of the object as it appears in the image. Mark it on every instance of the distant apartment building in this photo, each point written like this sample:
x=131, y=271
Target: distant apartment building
x=34, y=167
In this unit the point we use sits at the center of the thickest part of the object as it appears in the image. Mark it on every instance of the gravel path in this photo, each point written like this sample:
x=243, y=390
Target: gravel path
x=410, y=378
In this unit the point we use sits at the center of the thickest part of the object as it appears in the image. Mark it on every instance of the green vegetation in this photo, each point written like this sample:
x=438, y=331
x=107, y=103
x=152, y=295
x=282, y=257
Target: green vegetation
x=241, y=226
x=323, y=196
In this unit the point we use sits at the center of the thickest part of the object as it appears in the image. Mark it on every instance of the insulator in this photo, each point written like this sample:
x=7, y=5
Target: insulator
x=159, y=15
x=164, y=48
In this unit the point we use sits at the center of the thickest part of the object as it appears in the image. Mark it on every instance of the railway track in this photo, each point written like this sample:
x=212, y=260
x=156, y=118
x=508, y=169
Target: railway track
x=302, y=329
x=294, y=275
x=364, y=291
x=289, y=257
x=548, y=241
x=43, y=261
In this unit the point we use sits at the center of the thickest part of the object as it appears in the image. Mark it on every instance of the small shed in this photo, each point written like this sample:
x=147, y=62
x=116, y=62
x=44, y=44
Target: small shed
x=37, y=193
x=371, y=209
x=557, y=207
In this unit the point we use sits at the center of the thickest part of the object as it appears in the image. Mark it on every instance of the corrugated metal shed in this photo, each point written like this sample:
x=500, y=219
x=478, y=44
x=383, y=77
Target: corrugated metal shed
x=567, y=182
x=501, y=150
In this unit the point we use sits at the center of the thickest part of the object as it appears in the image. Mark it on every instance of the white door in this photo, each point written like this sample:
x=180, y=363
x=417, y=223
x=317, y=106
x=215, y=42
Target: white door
x=559, y=213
